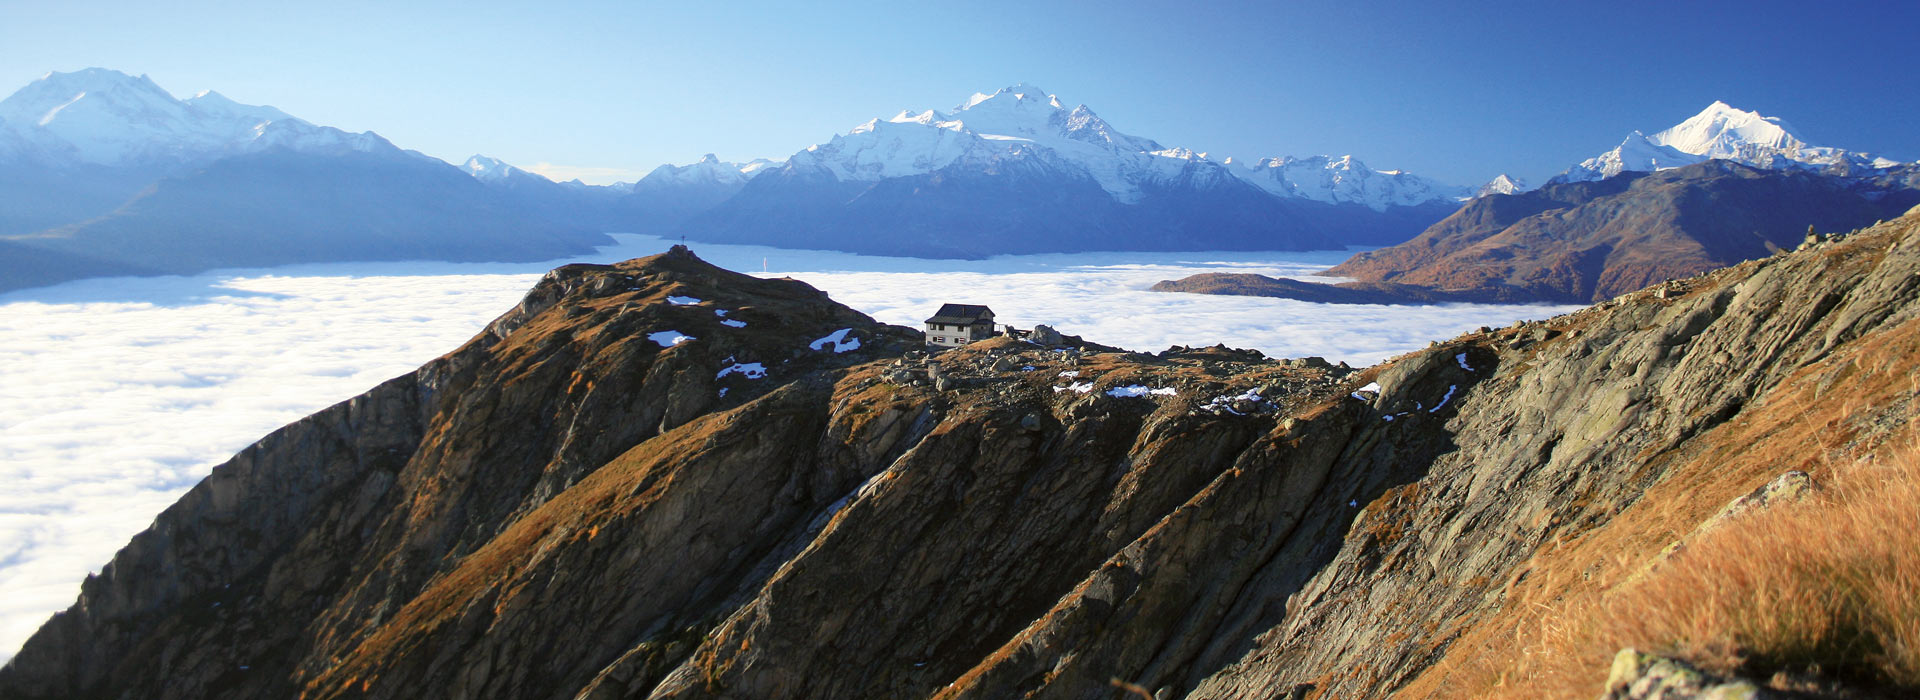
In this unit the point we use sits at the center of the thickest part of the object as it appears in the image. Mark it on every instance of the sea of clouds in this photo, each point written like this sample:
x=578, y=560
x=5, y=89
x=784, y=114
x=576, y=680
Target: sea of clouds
x=116, y=395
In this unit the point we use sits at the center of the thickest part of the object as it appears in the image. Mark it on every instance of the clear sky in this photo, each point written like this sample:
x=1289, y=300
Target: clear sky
x=607, y=90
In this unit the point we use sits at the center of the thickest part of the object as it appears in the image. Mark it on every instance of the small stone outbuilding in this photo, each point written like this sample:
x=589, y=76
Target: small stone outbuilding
x=955, y=325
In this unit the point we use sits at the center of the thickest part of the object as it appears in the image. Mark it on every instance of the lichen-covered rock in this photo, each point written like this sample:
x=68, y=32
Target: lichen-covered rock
x=1787, y=488
x=1637, y=675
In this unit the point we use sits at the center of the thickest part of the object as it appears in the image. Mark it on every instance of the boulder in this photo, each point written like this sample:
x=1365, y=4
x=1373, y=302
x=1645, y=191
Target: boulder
x=1046, y=335
x=1637, y=675
x=1787, y=488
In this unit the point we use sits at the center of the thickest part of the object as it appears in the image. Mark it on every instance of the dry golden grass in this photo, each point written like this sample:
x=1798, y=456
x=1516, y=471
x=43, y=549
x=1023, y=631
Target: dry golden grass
x=1829, y=587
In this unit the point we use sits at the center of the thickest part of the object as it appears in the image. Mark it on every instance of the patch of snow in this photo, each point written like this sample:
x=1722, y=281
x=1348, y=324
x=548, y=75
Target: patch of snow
x=750, y=370
x=1444, y=399
x=682, y=301
x=1371, y=386
x=1076, y=387
x=1224, y=402
x=839, y=340
x=720, y=312
x=723, y=392
x=1139, y=390
x=668, y=339
x=731, y=323
x=1462, y=359
x=1071, y=373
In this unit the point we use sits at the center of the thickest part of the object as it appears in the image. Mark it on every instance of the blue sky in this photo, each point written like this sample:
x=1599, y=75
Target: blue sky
x=1457, y=91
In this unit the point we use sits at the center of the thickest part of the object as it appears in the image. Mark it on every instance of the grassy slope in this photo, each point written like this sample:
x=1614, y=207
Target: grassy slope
x=1823, y=588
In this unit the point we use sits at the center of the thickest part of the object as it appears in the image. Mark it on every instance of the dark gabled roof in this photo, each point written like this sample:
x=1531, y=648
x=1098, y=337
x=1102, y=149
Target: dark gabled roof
x=962, y=314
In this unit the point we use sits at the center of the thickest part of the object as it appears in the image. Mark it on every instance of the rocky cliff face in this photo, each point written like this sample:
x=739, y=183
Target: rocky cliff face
x=575, y=505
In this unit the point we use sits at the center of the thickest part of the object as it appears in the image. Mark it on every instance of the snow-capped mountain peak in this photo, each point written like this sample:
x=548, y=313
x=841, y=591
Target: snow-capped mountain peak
x=1721, y=131
x=1026, y=123
x=1635, y=153
x=1021, y=121
x=41, y=101
x=1725, y=132
x=1021, y=111
x=1019, y=93
x=96, y=114
x=488, y=169
x=214, y=103
x=1501, y=184
x=1343, y=180
x=108, y=117
x=757, y=166
x=708, y=171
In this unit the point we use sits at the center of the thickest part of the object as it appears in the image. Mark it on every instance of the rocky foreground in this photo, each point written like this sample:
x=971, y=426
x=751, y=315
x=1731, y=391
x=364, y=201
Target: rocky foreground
x=664, y=479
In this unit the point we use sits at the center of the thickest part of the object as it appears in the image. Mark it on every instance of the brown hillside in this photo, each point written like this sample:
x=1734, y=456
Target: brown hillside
x=1252, y=285
x=565, y=509
x=1584, y=242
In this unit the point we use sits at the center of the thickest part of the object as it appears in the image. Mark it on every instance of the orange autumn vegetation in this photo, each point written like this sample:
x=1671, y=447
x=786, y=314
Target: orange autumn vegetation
x=1824, y=587
x=1799, y=595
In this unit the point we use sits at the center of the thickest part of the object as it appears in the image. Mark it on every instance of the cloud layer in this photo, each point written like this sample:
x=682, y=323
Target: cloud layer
x=116, y=395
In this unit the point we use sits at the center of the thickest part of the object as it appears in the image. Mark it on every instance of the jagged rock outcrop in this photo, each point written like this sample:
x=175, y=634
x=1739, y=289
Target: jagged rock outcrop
x=611, y=494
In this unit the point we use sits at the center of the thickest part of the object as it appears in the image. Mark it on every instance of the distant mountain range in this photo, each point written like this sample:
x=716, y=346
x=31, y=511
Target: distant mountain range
x=108, y=169
x=106, y=173
x=1017, y=171
x=1721, y=187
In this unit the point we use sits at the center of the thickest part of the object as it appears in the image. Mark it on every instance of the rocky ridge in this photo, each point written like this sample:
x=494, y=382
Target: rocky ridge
x=578, y=504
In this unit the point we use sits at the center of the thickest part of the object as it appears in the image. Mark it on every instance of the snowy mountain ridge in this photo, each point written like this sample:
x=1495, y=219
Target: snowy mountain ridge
x=1344, y=180
x=491, y=170
x=1501, y=184
x=106, y=117
x=1722, y=131
x=708, y=171
x=1025, y=122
